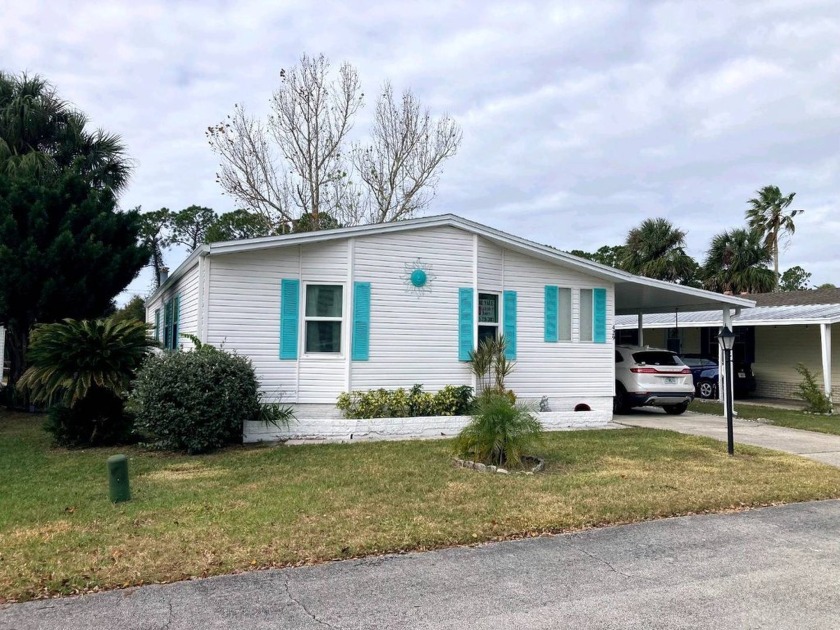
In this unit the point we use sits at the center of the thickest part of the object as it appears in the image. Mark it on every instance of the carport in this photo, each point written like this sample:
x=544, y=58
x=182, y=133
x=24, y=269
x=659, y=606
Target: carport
x=641, y=296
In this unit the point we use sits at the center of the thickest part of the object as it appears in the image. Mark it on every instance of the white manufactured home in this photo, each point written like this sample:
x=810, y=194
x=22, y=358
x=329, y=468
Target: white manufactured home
x=388, y=306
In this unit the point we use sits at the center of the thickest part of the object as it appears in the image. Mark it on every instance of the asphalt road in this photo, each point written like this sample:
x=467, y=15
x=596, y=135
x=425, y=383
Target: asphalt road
x=771, y=568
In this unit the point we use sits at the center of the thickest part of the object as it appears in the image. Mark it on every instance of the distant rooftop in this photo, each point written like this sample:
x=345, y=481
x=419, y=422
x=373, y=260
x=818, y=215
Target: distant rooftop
x=794, y=298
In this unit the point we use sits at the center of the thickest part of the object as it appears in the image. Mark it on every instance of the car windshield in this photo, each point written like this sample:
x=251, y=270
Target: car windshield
x=656, y=357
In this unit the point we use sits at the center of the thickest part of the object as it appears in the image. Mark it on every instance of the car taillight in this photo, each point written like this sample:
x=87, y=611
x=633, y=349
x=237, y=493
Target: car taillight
x=685, y=371
x=645, y=370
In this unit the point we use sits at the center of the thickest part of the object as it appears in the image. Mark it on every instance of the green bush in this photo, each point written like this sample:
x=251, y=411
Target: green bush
x=809, y=390
x=195, y=401
x=82, y=370
x=398, y=403
x=499, y=432
x=99, y=419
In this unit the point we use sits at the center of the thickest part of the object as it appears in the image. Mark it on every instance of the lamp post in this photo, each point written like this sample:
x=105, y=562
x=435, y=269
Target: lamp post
x=726, y=340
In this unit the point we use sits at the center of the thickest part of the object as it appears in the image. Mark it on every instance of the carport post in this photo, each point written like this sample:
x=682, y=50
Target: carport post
x=825, y=338
x=725, y=381
x=641, y=329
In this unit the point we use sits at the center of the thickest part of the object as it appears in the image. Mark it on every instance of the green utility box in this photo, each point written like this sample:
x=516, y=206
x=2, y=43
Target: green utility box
x=118, y=489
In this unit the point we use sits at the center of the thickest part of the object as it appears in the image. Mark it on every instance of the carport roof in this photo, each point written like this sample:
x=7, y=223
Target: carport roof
x=799, y=314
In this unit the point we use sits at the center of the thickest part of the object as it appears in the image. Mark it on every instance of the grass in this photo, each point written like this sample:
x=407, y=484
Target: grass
x=791, y=418
x=262, y=506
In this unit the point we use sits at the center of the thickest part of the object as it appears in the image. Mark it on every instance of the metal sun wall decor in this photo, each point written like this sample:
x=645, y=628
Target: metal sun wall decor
x=418, y=277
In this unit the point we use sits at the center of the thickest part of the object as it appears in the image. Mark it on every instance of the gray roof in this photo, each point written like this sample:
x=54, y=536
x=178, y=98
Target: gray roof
x=793, y=298
x=758, y=316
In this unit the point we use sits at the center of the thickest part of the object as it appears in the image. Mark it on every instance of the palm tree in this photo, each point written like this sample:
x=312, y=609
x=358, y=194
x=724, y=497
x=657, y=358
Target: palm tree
x=40, y=133
x=737, y=261
x=767, y=216
x=656, y=249
x=43, y=138
x=71, y=358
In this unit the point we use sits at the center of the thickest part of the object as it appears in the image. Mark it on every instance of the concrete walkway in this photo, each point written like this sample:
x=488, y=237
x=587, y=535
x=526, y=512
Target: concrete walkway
x=817, y=446
x=770, y=568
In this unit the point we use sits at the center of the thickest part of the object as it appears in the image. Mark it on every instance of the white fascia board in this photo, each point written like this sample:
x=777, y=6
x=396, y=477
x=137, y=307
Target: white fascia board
x=180, y=270
x=735, y=322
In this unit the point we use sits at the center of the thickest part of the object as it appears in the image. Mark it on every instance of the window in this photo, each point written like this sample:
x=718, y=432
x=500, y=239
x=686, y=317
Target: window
x=488, y=316
x=323, y=317
x=157, y=324
x=656, y=357
x=564, y=314
x=586, y=314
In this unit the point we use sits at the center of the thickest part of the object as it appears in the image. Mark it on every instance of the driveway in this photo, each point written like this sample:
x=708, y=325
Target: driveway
x=817, y=446
x=771, y=568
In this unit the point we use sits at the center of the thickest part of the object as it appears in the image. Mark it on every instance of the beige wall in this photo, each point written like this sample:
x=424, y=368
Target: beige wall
x=779, y=348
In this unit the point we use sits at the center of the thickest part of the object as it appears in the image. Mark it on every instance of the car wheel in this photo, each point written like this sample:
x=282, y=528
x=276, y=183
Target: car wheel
x=676, y=410
x=706, y=389
x=620, y=399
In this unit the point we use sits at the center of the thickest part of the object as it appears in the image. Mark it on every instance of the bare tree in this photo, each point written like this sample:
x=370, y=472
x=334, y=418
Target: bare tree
x=311, y=117
x=250, y=170
x=400, y=166
x=295, y=164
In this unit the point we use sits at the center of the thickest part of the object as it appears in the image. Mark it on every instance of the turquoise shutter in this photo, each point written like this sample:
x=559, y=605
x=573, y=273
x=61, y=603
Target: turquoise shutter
x=176, y=322
x=599, y=315
x=465, y=323
x=550, y=313
x=510, y=324
x=289, y=311
x=361, y=321
x=157, y=324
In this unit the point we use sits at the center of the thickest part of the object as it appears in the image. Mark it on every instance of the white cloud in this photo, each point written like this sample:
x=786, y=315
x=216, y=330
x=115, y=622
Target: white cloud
x=580, y=118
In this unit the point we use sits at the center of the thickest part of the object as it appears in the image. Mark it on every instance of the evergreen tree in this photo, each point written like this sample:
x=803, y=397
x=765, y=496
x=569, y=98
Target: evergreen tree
x=65, y=251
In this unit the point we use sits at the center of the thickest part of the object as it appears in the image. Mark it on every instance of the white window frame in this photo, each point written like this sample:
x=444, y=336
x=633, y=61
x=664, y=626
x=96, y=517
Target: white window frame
x=305, y=319
x=499, y=314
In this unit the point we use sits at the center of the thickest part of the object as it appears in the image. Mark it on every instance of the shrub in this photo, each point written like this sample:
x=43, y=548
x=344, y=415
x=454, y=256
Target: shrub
x=499, y=432
x=398, y=403
x=83, y=369
x=453, y=400
x=196, y=401
x=99, y=419
x=815, y=399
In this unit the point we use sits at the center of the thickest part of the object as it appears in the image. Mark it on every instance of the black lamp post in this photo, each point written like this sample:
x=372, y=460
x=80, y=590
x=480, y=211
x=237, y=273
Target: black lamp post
x=726, y=340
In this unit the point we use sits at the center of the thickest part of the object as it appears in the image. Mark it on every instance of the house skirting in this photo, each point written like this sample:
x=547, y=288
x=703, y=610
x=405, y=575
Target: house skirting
x=331, y=427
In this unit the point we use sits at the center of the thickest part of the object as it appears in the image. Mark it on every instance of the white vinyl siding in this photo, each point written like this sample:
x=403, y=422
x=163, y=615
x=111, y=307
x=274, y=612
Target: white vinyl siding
x=187, y=288
x=573, y=371
x=244, y=315
x=413, y=334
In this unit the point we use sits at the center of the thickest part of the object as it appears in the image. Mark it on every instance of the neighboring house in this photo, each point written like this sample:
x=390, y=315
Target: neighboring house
x=784, y=329
x=396, y=304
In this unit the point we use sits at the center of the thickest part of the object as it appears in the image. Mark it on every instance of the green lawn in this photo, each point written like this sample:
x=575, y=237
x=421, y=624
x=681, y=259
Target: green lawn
x=781, y=417
x=264, y=506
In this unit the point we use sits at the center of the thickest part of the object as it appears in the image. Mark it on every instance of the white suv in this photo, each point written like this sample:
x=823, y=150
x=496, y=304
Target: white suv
x=646, y=376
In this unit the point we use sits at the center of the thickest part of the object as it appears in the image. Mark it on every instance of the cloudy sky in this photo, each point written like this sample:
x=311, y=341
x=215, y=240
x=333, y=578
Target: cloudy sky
x=580, y=119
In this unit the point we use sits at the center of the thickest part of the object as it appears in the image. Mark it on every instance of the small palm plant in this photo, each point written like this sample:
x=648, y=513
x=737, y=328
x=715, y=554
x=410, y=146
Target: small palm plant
x=500, y=431
x=82, y=370
x=490, y=365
